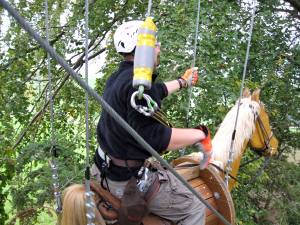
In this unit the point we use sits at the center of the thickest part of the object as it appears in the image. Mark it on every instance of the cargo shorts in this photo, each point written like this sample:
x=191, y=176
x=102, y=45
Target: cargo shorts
x=173, y=201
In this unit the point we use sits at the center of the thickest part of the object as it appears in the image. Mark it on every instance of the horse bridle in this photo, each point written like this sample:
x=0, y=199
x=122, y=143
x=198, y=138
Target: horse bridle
x=266, y=138
x=267, y=148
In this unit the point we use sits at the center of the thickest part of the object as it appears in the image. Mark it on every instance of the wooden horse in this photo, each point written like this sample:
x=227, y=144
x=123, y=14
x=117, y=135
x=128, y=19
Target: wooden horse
x=253, y=128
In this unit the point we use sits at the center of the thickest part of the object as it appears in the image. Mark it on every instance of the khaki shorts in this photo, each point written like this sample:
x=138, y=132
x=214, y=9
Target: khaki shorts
x=173, y=201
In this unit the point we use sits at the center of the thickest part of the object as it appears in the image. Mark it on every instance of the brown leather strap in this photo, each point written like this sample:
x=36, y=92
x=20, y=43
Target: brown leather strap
x=106, y=195
x=126, y=163
x=153, y=189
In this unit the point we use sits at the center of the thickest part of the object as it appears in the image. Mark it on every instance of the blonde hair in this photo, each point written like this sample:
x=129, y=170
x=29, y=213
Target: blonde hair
x=74, y=209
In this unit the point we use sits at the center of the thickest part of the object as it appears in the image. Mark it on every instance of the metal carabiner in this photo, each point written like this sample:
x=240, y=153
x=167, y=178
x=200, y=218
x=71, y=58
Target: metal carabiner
x=148, y=110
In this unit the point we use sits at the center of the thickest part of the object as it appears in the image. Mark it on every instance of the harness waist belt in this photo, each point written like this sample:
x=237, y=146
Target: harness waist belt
x=120, y=162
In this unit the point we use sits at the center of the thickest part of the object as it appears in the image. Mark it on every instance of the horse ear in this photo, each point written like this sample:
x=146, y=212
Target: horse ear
x=255, y=95
x=246, y=93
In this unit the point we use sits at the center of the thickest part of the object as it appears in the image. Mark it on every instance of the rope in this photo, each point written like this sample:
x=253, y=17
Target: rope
x=250, y=161
x=53, y=164
x=26, y=26
x=104, y=104
x=261, y=169
x=90, y=205
x=193, y=63
x=230, y=158
x=182, y=151
x=149, y=8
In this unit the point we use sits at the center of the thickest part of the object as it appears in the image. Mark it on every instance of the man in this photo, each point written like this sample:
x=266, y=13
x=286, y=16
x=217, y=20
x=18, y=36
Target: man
x=172, y=200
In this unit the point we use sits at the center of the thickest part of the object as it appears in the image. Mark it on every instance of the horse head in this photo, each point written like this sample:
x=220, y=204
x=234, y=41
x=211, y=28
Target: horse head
x=263, y=140
x=252, y=128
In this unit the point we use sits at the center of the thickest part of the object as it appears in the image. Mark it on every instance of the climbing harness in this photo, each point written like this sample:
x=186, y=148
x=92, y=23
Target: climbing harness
x=26, y=26
x=53, y=150
x=144, y=64
x=89, y=203
x=230, y=157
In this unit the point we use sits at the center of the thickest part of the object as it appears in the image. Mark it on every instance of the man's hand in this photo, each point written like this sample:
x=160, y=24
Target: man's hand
x=206, y=147
x=206, y=142
x=190, y=77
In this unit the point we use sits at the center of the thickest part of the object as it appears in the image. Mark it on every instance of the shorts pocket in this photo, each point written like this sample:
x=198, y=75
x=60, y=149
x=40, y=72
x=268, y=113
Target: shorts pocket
x=182, y=197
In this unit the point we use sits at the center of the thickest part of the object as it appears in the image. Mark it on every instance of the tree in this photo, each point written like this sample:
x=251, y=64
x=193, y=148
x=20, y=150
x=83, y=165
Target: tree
x=25, y=120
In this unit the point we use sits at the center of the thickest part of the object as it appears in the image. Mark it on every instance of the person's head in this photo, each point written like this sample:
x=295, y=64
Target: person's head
x=125, y=40
x=74, y=208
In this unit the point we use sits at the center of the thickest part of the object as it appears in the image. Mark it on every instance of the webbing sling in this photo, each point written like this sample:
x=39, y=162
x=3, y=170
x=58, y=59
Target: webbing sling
x=161, y=117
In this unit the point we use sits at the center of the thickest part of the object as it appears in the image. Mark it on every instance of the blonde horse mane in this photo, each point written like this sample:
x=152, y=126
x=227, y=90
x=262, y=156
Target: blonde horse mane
x=74, y=208
x=245, y=128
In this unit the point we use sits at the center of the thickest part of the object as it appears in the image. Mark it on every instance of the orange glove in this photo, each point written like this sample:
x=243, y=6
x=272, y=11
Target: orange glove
x=190, y=77
x=206, y=147
x=206, y=142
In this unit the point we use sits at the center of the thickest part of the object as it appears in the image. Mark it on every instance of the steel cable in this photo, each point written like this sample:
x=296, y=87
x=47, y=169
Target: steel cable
x=26, y=26
x=230, y=157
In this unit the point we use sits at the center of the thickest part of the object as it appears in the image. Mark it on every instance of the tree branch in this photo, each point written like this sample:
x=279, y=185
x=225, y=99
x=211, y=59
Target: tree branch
x=293, y=13
x=294, y=3
x=12, y=60
x=76, y=65
x=40, y=113
x=97, y=53
x=294, y=40
x=28, y=78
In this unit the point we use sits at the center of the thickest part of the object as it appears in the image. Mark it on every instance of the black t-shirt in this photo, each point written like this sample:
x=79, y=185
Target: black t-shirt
x=115, y=140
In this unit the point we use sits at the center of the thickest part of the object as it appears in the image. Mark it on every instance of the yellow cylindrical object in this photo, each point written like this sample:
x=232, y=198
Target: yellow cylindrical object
x=144, y=54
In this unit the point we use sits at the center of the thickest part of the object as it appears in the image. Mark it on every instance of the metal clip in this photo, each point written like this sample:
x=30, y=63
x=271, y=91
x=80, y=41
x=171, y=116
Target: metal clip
x=148, y=110
x=145, y=181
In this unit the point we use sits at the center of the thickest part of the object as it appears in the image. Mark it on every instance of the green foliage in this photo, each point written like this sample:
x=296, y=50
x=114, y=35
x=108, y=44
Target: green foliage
x=273, y=66
x=31, y=188
x=273, y=198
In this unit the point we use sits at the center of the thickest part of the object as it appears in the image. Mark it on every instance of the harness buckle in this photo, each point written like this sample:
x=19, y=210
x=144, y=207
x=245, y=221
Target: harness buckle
x=103, y=156
x=144, y=181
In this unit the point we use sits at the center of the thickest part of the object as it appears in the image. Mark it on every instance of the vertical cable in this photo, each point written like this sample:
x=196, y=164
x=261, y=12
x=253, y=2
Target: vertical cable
x=53, y=163
x=230, y=157
x=190, y=89
x=89, y=195
x=26, y=26
x=193, y=64
x=149, y=8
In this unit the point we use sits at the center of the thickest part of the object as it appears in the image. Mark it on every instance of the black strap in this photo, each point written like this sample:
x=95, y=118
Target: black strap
x=220, y=169
x=102, y=167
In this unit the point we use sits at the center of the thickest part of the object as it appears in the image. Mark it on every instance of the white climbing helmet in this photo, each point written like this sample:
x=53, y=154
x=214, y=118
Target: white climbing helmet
x=125, y=37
